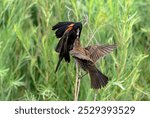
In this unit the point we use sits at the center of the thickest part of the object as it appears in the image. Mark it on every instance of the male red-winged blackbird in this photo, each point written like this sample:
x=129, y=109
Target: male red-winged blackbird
x=67, y=32
x=87, y=57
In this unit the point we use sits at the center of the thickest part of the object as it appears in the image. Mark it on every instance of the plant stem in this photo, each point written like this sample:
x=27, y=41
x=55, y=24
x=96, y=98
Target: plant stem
x=95, y=94
x=77, y=84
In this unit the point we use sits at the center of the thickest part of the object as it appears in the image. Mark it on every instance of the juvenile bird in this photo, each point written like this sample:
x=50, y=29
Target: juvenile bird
x=67, y=32
x=87, y=57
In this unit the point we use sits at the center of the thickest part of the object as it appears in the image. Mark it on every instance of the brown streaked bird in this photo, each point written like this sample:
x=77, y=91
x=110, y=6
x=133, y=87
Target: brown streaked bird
x=67, y=32
x=87, y=57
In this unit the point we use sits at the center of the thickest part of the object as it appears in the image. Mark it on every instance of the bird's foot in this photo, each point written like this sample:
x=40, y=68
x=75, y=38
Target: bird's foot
x=81, y=76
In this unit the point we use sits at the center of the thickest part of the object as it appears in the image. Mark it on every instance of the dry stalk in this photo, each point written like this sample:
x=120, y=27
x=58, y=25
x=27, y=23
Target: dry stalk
x=95, y=94
x=77, y=84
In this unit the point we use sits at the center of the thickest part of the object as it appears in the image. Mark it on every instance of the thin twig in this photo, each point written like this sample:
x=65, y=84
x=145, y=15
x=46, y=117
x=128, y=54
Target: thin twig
x=95, y=94
x=77, y=84
x=78, y=89
x=80, y=77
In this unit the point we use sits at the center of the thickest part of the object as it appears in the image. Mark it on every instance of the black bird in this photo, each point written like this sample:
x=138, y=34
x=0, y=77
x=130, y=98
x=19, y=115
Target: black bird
x=87, y=57
x=67, y=32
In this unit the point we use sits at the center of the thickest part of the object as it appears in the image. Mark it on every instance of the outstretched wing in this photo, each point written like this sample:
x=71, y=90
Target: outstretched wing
x=98, y=51
x=79, y=55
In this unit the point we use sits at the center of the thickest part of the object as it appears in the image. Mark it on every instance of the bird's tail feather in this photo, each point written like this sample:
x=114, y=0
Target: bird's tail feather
x=98, y=79
x=60, y=59
x=67, y=57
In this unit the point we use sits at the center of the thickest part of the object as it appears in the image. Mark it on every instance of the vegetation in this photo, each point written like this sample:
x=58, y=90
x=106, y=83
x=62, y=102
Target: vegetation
x=28, y=58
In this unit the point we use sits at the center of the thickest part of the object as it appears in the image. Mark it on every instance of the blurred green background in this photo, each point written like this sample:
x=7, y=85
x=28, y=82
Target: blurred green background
x=28, y=58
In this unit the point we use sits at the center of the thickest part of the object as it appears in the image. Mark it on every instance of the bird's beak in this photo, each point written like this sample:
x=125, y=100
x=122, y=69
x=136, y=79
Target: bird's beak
x=78, y=31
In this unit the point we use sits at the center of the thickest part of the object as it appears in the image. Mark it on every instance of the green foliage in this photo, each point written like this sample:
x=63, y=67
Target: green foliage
x=28, y=58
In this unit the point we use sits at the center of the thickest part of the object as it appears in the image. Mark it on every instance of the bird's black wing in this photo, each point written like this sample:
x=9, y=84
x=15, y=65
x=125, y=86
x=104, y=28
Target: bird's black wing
x=61, y=24
x=60, y=28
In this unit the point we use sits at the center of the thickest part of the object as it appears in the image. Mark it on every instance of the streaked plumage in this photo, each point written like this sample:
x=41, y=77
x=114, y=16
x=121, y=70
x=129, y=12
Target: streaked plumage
x=87, y=57
x=98, y=51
